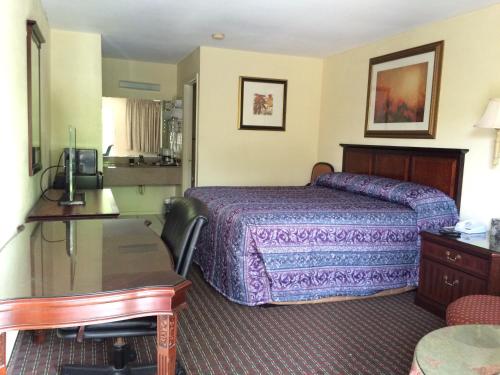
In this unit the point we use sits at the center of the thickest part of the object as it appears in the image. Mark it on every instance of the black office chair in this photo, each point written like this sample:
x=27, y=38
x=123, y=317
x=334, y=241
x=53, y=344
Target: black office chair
x=108, y=150
x=180, y=233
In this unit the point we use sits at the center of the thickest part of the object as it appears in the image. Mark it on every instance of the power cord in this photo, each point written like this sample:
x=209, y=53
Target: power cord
x=45, y=238
x=45, y=190
x=19, y=229
x=43, y=174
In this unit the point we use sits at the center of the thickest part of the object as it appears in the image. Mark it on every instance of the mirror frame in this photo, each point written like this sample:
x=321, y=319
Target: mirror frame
x=33, y=34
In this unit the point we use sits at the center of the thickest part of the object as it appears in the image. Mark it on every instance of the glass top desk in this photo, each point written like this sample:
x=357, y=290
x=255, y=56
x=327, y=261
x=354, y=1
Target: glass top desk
x=95, y=271
x=100, y=204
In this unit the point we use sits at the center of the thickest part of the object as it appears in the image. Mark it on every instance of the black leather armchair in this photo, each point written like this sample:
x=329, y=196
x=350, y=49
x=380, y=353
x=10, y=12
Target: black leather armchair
x=180, y=233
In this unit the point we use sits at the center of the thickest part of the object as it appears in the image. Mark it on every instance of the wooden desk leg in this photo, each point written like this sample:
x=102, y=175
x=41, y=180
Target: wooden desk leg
x=3, y=360
x=166, y=339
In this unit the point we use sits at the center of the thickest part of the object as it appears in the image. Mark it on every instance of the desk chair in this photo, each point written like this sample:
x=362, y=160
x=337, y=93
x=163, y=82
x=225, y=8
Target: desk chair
x=319, y=169
x=180, y=233
x=108, y=150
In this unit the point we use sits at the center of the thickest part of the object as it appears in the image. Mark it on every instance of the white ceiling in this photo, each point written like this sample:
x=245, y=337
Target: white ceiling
x=167, y=30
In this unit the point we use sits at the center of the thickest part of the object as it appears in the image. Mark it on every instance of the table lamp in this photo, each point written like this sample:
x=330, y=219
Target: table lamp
x=491, y=119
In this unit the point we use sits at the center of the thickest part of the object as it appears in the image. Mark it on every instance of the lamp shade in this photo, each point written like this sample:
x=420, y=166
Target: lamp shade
x=491, y=117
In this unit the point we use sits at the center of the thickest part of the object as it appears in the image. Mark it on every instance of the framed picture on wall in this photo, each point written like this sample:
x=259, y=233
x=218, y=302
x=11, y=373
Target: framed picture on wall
x=403, y=93
x=262, y=104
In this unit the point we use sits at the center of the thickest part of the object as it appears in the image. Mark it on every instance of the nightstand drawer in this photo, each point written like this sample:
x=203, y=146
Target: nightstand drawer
x=444, y=284
x=456, y=258
x=451, y=268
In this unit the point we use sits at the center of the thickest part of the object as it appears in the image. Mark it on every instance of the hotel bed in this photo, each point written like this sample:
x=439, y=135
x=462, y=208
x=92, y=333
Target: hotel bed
x=349, y=234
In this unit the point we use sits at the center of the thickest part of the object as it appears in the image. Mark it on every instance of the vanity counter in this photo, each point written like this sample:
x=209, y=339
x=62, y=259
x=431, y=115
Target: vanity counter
x=144, y=174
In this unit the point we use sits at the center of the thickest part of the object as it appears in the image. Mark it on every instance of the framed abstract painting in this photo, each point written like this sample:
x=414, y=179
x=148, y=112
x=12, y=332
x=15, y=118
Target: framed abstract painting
x=262, y=104
x=403, y=93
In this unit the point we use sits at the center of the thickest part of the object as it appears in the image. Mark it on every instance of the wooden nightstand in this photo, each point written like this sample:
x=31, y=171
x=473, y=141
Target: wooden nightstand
x=454, y=267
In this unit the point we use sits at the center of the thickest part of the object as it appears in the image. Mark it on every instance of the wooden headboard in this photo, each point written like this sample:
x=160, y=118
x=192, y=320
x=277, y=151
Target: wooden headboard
x=441, y=168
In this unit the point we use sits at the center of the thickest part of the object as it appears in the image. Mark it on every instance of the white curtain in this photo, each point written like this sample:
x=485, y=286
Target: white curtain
x=143, y=120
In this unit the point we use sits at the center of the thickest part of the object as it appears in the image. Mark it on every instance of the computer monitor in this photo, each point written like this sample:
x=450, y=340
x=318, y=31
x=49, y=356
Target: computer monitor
x=70, y=196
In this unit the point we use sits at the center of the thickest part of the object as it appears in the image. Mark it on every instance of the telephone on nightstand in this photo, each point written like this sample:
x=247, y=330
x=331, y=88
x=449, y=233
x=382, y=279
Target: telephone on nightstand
x=470, y=227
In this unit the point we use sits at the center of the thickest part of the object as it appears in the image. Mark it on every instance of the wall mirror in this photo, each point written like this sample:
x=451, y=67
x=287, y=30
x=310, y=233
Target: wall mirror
x=146, y=127
x=34, y=39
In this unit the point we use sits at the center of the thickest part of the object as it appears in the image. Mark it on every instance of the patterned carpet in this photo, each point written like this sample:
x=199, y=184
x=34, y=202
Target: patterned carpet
x=374, y=336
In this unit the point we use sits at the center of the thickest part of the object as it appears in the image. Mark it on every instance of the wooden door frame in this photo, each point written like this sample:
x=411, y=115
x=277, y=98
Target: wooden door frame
x=187, y=134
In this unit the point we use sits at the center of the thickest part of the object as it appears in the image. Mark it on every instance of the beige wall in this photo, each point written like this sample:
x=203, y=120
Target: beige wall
x=229, y=156
x=114, y=70
x=76, y=90
x=20, y=191
x=470, y=76
x=187, y=69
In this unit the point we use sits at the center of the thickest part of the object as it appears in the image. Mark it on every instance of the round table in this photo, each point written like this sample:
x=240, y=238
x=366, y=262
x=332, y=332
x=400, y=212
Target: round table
x=464, y=349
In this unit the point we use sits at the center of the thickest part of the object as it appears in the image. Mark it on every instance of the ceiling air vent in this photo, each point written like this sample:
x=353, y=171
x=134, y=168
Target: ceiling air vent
x=145, y=86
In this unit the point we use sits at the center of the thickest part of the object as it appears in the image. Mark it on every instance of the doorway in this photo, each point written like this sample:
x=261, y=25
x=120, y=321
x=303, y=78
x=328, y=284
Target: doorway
x=190, y=136
x=193, y=136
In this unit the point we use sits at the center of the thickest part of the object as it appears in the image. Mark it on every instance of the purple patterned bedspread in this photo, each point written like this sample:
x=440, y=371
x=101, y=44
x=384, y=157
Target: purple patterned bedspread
x=347, y=235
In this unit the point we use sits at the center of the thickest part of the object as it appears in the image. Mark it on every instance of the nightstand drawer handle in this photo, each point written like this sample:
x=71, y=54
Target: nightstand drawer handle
x=454, y=259
x=446, y=282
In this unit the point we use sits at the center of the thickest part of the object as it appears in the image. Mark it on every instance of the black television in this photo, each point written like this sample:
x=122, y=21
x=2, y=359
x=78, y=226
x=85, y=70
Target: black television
x=84, y=161
x=71, y=197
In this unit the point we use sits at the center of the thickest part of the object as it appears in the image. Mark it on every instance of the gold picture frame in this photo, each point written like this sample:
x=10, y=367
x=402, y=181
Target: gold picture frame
x=403, y=93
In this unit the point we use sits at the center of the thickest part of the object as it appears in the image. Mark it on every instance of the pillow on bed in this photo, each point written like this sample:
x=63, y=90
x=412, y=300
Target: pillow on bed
x=425, y=200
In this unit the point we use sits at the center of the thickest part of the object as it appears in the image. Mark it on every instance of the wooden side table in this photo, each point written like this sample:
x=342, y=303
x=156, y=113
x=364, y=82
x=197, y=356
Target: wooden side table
x=454, y=267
